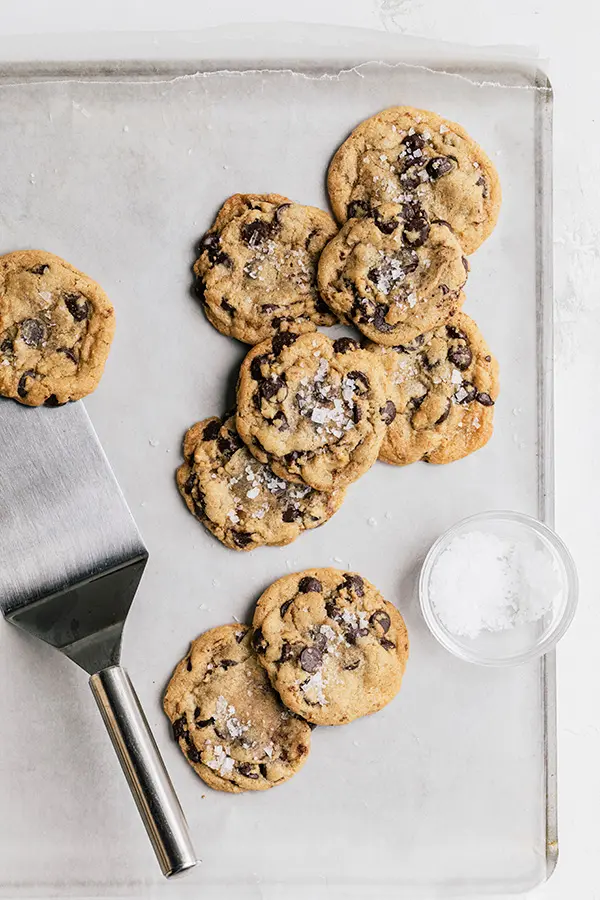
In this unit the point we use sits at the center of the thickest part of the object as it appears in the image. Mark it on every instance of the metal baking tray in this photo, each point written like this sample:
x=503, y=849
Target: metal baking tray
x=119, y=166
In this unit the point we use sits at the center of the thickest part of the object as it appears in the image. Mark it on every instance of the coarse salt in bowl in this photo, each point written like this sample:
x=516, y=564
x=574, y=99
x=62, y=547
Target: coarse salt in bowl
x=498, y=589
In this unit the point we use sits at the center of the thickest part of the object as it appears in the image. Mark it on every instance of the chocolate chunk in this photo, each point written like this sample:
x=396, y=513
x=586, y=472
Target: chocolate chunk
x=471, y=392
x=228, y=663
x=321, y=307
x=445, y=414
x=389, y=645
x=484, y=399
x=239, y=636
x=286, y=652
x=320, y=642
x=33, y=332
x=270, y=387
x=410, y=178
x=344, y=344
x=222, y=259
x=352, y=666
x=211, y=431
x=227, y=306
x=460, y=356
x=256, y=365
x=53, y=401
x=22, y=389
x=444, y=289
x=357, y=209
x=415, y=402
x=189, y=664
x=282, y=339
x=242, y=538
x=258, y=642
x=192, y=753
x=180, y=728
x=202, y=723
x=388, y=412
x=7, y=346
x=77, y=306
x=438, y=167
x=356, y=413
x=487, y=358
x=361, y=382
x=277, y=321
x=211, y=243
x=416, y=225
x=70, y=354
x=386, y=227
x=310, y=585
x=291, y=514
x=280, y=420
x=245, y=769
x=333, y=611
x=311, y=659
x=228, y=444
x=290, y=459
x=40, y=270
x=381, y=310
x=257, y=232
x=309, y=238
x=263, y=770
x=482, y=183
x=413, y=142
x=354, y=583
x=284, y=607
x=455, y=333
x=381, y=618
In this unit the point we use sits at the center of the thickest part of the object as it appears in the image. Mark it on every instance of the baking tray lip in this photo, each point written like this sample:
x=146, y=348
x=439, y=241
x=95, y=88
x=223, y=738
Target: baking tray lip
x=186, y=63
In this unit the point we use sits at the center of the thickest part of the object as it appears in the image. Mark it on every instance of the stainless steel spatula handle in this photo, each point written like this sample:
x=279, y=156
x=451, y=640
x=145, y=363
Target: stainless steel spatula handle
x=144, y=770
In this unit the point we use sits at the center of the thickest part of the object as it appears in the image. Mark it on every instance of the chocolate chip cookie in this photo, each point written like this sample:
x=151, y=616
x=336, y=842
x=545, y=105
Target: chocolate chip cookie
x=257, y=267
x=334, y=649
x=56, y=327
x=228, y=720
x=406, y=155
x=314, y=409
x=444, y=385
x=239, y=499
x=394, y=277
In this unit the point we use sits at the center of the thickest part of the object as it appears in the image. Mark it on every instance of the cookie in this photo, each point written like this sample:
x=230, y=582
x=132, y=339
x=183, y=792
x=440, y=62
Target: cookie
x=406, y=155
x=391, y=277
x=334, y=649
x=314, y=409
x=56, y=327
x=257, y=267
x=444, y=385
x=228, y=720
x=239, y=499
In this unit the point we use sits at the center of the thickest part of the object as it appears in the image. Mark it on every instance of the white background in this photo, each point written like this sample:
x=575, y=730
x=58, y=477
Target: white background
x=567, y=35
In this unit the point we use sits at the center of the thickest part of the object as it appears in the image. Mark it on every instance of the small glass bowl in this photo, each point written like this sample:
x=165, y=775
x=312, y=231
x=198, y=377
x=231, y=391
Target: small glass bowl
x=523, y=642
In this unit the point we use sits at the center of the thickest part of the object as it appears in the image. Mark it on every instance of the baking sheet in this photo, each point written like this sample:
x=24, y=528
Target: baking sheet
x=120, y=170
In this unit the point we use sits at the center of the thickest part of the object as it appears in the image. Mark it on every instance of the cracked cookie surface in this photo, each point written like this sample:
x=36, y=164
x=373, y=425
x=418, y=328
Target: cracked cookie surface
x=257, y=267
x=239, y=499
x=56, y=328
x=334, y=649
x=407, y=155
x=313, y=408
x=444, y=385
x=392, y=275
x=227, y=719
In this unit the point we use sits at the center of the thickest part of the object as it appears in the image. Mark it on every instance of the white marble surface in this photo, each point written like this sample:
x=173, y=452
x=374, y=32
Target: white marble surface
x=566, y=34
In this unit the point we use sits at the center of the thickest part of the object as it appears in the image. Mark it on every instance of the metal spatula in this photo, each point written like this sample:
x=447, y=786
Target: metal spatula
x=71, y=558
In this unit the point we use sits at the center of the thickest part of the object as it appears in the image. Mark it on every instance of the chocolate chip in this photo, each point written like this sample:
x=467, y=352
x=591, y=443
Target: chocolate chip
x=381, y=618
x=310, y=585
x=211, y=243
x=352, y=666
x=389, y=645
x=222, y=259
x=388, y=412
x=227, y=306
x=284, y=607
x=257, y=232
x=278, y=321
x=258, y=641
x=270, y=387
x=416, y=225
x=67, y=352
x=413, y=142
x=444, y=289
x=193, y=754
x=280, y=209
x=228, y=663
x=22, y=389
x=438, y=167
x=344, y=344
x=357, y=209
x=211, y=431
x=290, y=459
x=40, y=270
x=241, y=538
x=7, y=346
x=333, y=611
x=180, y=728
x=386, y=227
x=202, y=723
x=282, y=339
x=442, y=222
x=311, y=659
x=455, y=333
x=309, y=238
x=239, y=636
x=361, y=382
x=33, y=332
x=52, y=401
x=256, y=366
x=415, y=402
x=484, y=399
x=189, y=664
x=410, y=177
x=280, y=420
x=286, y=652
x=445, y=414
x=460, y=356
x=263, y=770
x=77, y=306
x=471, y=392
x=350, y=636
x=356, y=413
x=227, y=444
x=482, y=183
x=245, y=769
x=321, y=307
x=354, y=583
x=291, y=514
x=381, y=311
x=487, y=358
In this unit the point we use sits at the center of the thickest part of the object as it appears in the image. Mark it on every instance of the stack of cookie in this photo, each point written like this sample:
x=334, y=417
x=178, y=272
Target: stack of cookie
x=414, y=194
x=325, y=649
